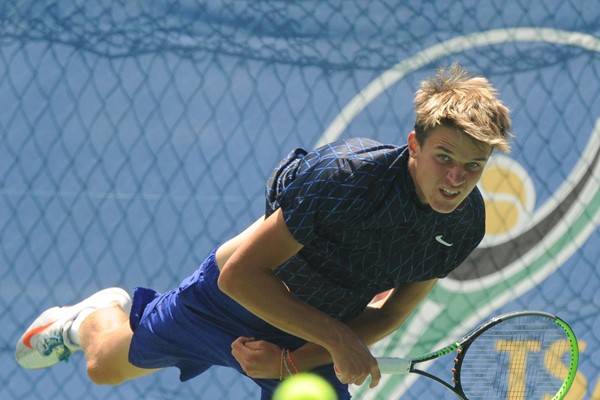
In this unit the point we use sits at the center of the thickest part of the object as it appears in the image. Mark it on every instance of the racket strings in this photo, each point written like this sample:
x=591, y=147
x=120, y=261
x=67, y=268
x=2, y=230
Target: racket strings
x=520, y=359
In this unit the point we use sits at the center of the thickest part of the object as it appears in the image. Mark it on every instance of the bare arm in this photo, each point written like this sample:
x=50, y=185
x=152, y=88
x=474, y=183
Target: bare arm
x=374, y=323
x=247, y=276
x=261, y=359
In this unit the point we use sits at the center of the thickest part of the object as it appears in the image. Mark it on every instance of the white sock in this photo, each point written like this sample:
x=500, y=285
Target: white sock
x=74, y=329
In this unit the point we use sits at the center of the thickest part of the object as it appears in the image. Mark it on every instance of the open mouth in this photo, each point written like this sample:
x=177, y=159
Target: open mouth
x=449, y=192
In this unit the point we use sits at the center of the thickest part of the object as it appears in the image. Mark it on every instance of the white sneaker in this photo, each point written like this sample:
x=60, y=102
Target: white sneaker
x=46, y=342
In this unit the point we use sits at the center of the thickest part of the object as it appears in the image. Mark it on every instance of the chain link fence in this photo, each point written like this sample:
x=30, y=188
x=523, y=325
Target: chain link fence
x=135, y=136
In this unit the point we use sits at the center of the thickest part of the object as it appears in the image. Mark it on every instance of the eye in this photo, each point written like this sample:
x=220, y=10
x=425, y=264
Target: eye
x=443, y=158
x=473, y=166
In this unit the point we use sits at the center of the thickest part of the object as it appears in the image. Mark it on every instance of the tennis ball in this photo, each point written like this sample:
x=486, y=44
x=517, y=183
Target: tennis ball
x=305, y=386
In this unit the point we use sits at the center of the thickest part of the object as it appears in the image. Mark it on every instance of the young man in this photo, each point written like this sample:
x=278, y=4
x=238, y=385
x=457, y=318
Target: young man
x=343, y=224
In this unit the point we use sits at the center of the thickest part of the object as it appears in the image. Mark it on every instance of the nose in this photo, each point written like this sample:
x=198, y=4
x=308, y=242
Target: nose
x=456, y=175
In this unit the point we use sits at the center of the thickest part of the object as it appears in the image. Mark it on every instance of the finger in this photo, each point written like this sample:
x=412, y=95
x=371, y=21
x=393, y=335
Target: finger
x=244, y=339
x=343, y=379
x=236, y=349
x=255, y=344
x=375, y=377
x=241, y=341
x=359, y=381
x=237, y=341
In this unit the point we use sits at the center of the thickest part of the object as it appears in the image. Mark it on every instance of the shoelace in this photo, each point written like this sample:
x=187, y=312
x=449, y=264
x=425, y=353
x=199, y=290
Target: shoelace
x=55, y=343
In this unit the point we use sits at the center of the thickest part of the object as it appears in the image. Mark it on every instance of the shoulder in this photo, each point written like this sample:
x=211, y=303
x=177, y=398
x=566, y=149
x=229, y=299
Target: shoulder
x=476, y=202
x=360, y=147
x=355, y=155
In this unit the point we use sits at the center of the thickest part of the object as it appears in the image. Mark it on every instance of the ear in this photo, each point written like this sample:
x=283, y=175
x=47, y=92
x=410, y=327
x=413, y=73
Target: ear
x=413, y=144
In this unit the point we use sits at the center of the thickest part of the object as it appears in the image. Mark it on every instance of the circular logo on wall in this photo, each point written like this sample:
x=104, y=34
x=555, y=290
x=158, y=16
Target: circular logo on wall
x=528, y=234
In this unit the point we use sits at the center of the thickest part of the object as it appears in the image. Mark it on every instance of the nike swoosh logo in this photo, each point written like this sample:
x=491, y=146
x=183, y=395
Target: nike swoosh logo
x=440, y=239
x=30, y=334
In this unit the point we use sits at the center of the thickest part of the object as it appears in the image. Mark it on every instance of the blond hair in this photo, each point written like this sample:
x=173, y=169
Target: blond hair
x=468, y=103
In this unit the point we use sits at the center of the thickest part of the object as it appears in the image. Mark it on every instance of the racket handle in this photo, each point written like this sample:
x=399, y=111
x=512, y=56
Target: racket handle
x=394, y=365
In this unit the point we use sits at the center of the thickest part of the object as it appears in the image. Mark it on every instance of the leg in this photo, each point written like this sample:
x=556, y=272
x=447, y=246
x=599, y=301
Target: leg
x=105, y=339
x=98, y=325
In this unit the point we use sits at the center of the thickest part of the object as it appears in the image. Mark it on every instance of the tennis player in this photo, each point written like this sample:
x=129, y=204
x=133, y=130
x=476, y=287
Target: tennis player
x=343, y=224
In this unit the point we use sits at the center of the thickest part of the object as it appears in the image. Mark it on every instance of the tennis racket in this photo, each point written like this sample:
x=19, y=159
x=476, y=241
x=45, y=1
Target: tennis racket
x=518, y=355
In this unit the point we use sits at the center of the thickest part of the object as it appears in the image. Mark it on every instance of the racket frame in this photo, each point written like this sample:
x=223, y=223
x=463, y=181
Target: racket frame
x=397, y=365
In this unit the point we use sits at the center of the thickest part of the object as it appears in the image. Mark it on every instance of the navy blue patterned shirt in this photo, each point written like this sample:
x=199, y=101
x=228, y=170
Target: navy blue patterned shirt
x=353, y=206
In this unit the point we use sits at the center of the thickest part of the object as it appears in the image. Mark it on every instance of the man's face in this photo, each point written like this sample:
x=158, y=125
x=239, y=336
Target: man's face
x=446, y=167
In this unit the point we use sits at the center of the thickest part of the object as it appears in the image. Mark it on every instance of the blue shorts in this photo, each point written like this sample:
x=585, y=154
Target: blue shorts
x=193, y=326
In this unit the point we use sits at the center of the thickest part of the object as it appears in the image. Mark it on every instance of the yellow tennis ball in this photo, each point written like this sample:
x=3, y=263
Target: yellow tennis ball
x=305, y=386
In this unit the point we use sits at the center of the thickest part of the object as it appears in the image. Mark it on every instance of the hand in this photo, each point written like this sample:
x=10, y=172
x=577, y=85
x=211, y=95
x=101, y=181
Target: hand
x=258, y=358
x=354, y=363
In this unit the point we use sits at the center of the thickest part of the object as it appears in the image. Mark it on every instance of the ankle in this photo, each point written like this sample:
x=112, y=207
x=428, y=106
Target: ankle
x=73, y=331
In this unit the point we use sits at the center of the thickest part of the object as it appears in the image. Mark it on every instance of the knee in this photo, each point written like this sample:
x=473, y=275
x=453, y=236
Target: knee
x=103, y=374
